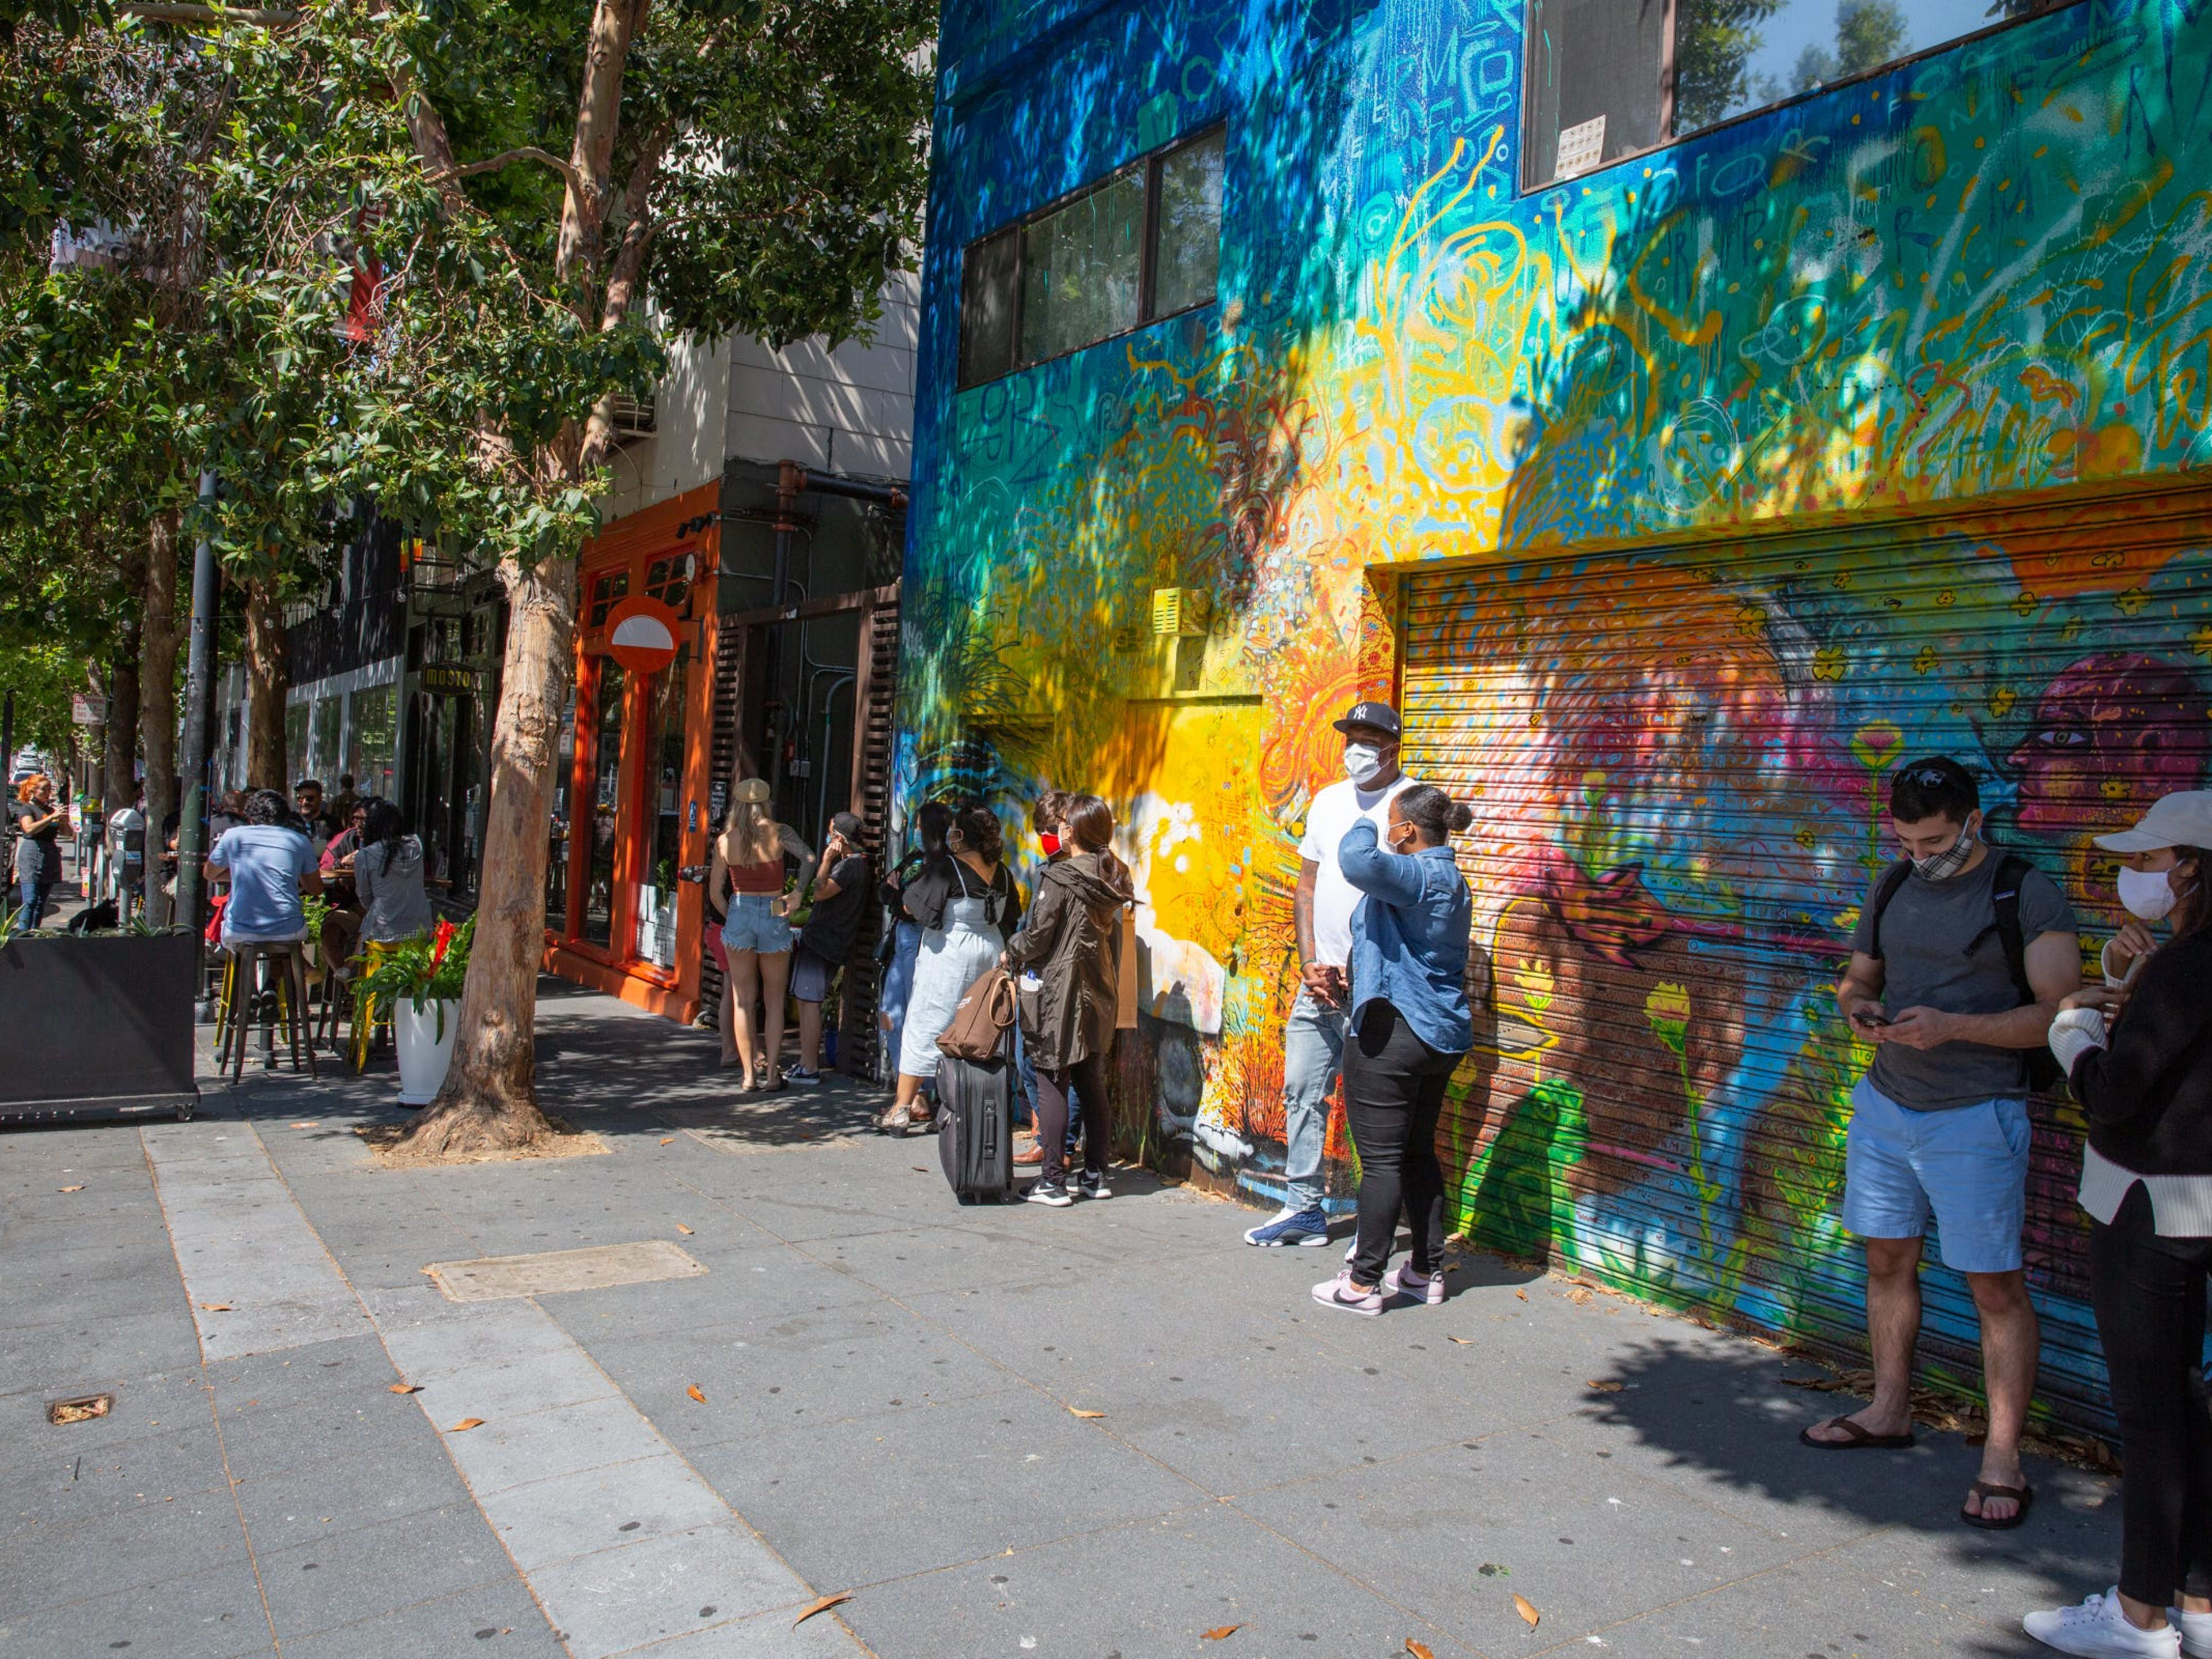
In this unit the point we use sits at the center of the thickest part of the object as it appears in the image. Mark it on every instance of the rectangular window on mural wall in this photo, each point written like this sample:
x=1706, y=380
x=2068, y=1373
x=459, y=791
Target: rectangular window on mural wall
x=1608, y=79
x=1140, y=244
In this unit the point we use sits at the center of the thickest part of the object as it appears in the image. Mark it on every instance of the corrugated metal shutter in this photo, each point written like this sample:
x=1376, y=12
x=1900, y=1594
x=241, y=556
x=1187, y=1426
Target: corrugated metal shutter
x=875, y=699
x=1679, y=761
x=726, y=747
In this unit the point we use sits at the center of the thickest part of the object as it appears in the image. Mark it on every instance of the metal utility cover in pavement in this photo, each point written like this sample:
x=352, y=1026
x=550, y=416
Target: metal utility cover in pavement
x=596, y=1268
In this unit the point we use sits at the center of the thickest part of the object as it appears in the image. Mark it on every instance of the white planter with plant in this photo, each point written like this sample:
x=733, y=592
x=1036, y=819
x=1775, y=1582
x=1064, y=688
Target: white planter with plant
x=420, y=980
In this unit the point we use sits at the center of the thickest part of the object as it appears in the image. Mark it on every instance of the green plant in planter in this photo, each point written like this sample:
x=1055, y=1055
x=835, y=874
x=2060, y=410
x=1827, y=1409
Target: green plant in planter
x=424, y=970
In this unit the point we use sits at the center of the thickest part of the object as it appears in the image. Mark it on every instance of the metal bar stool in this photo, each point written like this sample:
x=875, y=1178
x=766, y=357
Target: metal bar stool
x=279, y=967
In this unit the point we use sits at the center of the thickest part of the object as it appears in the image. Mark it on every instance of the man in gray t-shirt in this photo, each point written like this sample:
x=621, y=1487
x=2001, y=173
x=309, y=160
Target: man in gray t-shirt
x=1938, y=1123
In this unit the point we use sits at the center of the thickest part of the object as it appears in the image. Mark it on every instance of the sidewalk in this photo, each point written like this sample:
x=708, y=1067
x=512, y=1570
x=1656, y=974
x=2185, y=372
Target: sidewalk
x=897, y=1400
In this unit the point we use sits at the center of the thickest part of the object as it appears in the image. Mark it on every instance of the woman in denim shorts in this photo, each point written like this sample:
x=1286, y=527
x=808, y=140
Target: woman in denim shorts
x=747, y=869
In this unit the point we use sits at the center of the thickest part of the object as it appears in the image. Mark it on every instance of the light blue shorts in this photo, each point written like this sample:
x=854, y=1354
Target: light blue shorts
x=752, y=925
x=1968, y=1165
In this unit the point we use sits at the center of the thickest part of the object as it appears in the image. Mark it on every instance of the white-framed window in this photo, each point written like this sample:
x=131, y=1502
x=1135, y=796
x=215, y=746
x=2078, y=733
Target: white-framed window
x=1609, y=79
x=1141, y=244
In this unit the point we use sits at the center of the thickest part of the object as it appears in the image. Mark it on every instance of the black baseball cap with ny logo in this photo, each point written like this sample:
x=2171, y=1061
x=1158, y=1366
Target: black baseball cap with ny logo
x=1379, y=715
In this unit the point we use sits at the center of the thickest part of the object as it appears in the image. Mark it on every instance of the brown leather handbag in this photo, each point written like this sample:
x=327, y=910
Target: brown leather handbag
x=981, y=1017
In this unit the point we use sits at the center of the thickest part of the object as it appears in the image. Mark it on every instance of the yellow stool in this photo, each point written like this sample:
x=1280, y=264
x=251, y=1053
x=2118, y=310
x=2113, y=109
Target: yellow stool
x=365, y=1017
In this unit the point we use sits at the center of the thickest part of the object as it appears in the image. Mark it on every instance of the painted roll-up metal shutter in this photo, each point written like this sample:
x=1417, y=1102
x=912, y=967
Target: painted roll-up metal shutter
x=1679, y=761
x=876, y=696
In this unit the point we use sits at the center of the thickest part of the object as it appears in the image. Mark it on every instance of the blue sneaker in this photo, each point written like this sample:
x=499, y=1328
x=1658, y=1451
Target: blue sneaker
x=1303, y=1227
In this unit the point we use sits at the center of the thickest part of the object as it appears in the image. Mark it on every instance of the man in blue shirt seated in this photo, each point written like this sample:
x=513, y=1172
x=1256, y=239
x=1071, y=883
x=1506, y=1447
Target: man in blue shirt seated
x=270, y=865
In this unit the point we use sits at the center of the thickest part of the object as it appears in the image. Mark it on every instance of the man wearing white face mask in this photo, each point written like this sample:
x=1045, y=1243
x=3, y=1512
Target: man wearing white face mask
x=1960, y=958
x=1313, y=1038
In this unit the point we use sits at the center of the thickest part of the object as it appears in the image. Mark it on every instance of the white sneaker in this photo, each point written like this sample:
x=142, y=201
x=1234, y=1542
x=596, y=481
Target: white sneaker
x=2097, y=1629
x=2196, y=1630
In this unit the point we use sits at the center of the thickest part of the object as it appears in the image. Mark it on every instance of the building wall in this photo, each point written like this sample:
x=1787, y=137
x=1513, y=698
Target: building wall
x=1942, y=323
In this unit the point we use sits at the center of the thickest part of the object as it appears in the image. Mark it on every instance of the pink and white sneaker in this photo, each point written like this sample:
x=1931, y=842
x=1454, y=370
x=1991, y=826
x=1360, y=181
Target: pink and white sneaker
x=1403, y=1281
x=1337, y=1292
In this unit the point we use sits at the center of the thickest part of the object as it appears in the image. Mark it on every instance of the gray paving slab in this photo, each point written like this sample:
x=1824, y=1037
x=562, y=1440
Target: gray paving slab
x=344, y=1494
x=765, y=1636
x=146, y=1544
x=214, y=1613
x=534, y=1446
x=602, y=1509
x=326, y=1583
x=950, y=1483
x=498, y=1620
x=1148, y=1588
x=616, y=1599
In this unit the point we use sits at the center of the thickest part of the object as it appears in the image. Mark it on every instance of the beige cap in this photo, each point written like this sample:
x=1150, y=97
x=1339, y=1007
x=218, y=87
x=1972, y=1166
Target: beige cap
x=2182, y=819
x=753, y=791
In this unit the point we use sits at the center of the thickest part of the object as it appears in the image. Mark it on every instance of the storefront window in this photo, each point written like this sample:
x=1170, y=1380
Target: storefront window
x=606, y=803
x=295, y=743
x=373, y=741
x=323, y=748
x=656, y=894
x=556, y=861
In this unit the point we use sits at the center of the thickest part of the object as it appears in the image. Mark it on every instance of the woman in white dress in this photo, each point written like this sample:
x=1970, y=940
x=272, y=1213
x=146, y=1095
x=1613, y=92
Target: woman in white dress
x=966, y=903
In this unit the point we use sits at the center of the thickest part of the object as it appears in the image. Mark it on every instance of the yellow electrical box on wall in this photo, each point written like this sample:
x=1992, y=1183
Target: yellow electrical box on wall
x=1184, y=611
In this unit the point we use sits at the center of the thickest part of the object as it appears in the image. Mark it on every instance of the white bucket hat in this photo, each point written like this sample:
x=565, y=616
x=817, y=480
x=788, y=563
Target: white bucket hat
x=2183, y=819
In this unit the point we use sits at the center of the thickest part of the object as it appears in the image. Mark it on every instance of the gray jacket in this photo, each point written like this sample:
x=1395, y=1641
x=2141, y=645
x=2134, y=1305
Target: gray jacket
x=397, y=906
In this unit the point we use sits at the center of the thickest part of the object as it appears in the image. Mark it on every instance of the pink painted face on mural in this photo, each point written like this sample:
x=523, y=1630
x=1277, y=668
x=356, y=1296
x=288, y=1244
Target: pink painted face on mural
x=2112, y=732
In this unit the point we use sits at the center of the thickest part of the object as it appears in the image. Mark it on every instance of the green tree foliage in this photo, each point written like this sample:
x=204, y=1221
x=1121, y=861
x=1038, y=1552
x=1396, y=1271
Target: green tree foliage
x=1868, y=34
x=1713, y=42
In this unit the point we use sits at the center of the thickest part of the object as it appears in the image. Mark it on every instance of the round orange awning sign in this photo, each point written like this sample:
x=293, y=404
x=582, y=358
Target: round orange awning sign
x=642, y=634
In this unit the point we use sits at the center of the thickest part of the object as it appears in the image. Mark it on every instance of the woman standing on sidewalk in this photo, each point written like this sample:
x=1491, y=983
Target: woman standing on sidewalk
x=932, y=820
x=966, y=904
x=1069, y=960
x=1410, y=1023
x=2138, y=1053
x=748, y=871
x=38, y=824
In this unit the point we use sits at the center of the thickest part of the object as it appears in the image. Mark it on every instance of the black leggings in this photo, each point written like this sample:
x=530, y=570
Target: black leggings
x=2148, y=1293
x=1394, y=1093
x=1089, y=1077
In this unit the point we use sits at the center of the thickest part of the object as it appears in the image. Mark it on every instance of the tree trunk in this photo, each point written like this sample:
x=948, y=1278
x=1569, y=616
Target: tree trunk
x=157, y=699
x=268, y=678
x=489, y=1102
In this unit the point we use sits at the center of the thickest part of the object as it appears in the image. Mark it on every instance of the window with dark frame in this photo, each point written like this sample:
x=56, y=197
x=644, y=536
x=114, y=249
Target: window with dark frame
x=1609, y=79
x=1142, y=244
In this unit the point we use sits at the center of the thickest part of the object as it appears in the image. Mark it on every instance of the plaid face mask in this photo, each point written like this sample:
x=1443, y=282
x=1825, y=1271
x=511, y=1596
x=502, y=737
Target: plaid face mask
x=1943, y=866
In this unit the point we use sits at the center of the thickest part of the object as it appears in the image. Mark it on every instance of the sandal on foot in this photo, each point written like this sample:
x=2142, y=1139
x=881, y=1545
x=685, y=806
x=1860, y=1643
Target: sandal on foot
x=2022, y=1495
x=1858, y=1439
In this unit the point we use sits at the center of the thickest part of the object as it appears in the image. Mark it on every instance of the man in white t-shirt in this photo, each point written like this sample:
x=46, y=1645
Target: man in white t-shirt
x=1313, y=1040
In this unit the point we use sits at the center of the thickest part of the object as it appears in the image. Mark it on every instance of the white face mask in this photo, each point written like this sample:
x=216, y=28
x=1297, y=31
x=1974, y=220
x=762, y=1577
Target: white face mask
x=2146, y=893
x=1363, y=763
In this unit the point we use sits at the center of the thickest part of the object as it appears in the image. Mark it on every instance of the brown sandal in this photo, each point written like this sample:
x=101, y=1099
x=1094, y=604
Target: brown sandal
x=2023, y=1495
x=1858, y=1438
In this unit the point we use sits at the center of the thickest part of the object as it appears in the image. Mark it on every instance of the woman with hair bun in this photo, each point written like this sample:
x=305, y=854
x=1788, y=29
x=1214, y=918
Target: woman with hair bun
x=1410, y=1023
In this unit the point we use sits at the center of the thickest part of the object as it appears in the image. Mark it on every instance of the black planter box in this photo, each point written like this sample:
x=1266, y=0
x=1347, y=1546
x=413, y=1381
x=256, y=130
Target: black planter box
x=99, y=1026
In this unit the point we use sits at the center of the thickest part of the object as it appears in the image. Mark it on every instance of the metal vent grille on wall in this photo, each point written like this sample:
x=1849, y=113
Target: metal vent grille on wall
x=1678, y=762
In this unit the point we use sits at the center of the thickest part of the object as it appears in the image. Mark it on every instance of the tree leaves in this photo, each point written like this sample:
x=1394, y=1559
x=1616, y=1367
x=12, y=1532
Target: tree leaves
x=1219, y=1632
x=465, y=1425
x=1527, y=1610
x=822, y=1605
x=697, y=1393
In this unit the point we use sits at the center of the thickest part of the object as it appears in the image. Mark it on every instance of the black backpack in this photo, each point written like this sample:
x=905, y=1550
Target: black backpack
x=2044, y=1071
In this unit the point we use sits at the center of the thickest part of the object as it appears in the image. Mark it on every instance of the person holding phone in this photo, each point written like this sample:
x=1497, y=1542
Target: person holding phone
x=1313, y=1037
x=37, y=821
x=1938, y=1123
x=2138, y=1057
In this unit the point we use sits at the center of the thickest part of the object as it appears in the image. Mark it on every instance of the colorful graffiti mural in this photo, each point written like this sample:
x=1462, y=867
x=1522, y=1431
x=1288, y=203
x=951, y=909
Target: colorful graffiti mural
x=1679, y=503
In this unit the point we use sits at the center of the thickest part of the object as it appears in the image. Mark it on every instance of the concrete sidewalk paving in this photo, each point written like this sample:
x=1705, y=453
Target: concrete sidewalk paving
x=894, y=1400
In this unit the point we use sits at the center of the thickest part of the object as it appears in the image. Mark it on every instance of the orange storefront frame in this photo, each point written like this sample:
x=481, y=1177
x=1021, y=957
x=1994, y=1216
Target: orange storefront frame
x=633, y=812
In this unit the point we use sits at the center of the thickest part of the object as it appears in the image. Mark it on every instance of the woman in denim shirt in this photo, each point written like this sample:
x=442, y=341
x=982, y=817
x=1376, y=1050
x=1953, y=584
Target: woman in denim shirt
x=1410, y=1023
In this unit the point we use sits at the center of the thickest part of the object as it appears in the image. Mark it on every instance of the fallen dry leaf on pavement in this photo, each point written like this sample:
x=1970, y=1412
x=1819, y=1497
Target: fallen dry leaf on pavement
x=1604, y=1386
x=1464, y=1341
x=1578, y=1296
x=668, y=1140
x=1078, y=1412
x=310, y=1124
x=405, y=1388
x=821, y=1605
x=1526, y=1610
x=681, y=1228
x=1220, y=1634
x=69, y=1190
x=465, y=1425
x=694, y=1391
x=1523, y=1294
x=1419, y=1650
x=217, y=1307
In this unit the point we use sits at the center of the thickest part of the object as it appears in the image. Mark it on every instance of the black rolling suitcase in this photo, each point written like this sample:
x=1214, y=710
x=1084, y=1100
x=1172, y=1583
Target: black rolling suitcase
x=975, y=1099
